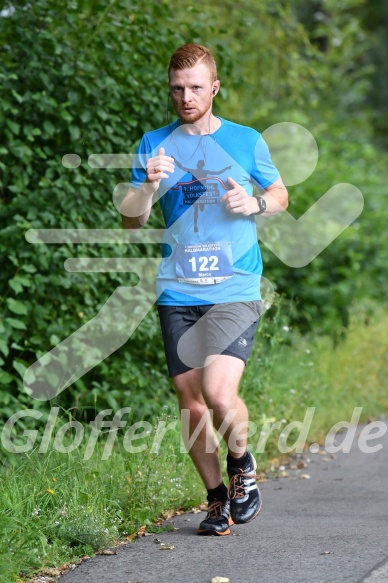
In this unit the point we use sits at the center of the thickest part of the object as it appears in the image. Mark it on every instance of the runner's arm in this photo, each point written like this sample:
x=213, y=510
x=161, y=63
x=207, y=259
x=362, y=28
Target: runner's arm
x=276, y=199
x=136, y=206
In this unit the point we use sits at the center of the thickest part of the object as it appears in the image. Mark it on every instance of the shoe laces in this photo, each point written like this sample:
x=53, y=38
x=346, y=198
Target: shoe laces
x=215, y=509
x=237, y=484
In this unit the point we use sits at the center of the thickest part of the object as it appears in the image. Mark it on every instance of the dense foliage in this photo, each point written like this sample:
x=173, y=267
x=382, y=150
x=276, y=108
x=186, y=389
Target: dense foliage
x=88, y=77
x=75, y=79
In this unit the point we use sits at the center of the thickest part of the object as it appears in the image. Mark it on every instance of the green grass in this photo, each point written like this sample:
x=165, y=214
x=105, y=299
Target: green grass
x=300, y=372
x=55, y=507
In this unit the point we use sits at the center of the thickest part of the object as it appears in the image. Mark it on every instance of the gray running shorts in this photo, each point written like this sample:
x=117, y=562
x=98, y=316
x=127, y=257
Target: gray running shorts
x=193, y=333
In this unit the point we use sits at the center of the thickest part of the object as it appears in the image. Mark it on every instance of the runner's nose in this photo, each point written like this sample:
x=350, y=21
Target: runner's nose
x=186, y=96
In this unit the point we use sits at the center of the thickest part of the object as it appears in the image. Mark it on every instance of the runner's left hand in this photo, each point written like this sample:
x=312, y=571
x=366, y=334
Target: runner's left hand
x=238, y=200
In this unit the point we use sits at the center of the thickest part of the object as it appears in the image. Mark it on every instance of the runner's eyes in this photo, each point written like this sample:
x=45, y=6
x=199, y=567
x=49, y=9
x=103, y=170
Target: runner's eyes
x=195, y=88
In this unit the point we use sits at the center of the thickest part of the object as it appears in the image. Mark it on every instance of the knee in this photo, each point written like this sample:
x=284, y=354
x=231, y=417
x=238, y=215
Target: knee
x=219, y=402
x=195, y=411
x=191, y=401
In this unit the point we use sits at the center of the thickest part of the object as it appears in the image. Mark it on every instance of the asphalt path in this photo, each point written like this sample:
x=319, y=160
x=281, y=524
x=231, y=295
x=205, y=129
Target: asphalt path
x=330, y=527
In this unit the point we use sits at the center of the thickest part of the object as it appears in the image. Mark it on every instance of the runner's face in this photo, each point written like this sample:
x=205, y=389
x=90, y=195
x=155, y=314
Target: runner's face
x=191, y=92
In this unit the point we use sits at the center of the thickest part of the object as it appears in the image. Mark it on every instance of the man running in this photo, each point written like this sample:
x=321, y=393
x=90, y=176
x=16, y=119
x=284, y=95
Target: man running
x=208, y=284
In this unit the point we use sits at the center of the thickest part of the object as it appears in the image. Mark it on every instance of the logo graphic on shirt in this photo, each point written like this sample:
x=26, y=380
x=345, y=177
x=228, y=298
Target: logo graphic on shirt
x=198, y=183
x=203, y=186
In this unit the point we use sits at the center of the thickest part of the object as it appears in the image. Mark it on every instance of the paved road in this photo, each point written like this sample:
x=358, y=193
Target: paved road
x=331, y=528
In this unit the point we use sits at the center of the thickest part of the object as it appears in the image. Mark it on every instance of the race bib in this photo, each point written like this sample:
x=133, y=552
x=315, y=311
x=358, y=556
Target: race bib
x=204, y=263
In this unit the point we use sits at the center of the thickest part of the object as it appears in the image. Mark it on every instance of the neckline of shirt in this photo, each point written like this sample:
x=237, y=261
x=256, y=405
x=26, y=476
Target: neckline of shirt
x=204, y=135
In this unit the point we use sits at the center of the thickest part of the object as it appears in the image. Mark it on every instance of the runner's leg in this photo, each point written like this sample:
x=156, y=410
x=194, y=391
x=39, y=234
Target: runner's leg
x=206, y=460
x=220, y=384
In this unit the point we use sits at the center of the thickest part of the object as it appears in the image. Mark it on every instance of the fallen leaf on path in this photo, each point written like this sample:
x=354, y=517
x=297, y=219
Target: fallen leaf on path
x=327, y=553
x=220, y=580
x=141, y=531
x=66, y=566
x=166, y=547
x=300, y=465
x=107, y=552
x=170, y=513
x=305, y=476
x=51, y=572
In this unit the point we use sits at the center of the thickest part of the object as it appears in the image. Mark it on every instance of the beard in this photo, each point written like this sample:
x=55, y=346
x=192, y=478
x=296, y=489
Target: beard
x=196, y=114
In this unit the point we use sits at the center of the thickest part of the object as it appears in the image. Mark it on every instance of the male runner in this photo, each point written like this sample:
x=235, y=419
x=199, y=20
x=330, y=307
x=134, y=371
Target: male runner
x=202, y=169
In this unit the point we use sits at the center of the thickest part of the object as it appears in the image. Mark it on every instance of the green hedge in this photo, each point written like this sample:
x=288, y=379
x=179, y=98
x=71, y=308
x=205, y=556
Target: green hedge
x=89, y=77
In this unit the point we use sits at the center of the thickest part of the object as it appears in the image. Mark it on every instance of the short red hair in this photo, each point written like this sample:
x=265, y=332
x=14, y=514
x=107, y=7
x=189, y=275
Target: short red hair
x=190, y=55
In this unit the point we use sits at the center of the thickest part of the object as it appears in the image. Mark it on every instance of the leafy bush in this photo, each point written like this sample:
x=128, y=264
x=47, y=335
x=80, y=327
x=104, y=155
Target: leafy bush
x=87, y=78
x=79, y=78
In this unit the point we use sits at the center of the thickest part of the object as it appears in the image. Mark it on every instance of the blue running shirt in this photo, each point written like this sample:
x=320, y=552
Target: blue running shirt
x=208, y=254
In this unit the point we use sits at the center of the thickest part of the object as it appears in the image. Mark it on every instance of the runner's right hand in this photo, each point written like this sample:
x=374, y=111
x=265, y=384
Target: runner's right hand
x=158, y=166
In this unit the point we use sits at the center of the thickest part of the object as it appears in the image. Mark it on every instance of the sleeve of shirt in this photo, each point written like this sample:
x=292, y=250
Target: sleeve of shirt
x=264, y=171
x=139, y=164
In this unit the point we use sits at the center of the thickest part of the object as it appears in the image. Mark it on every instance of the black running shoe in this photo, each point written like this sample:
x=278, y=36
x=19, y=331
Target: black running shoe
x=244, y=495
x=217, y=520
